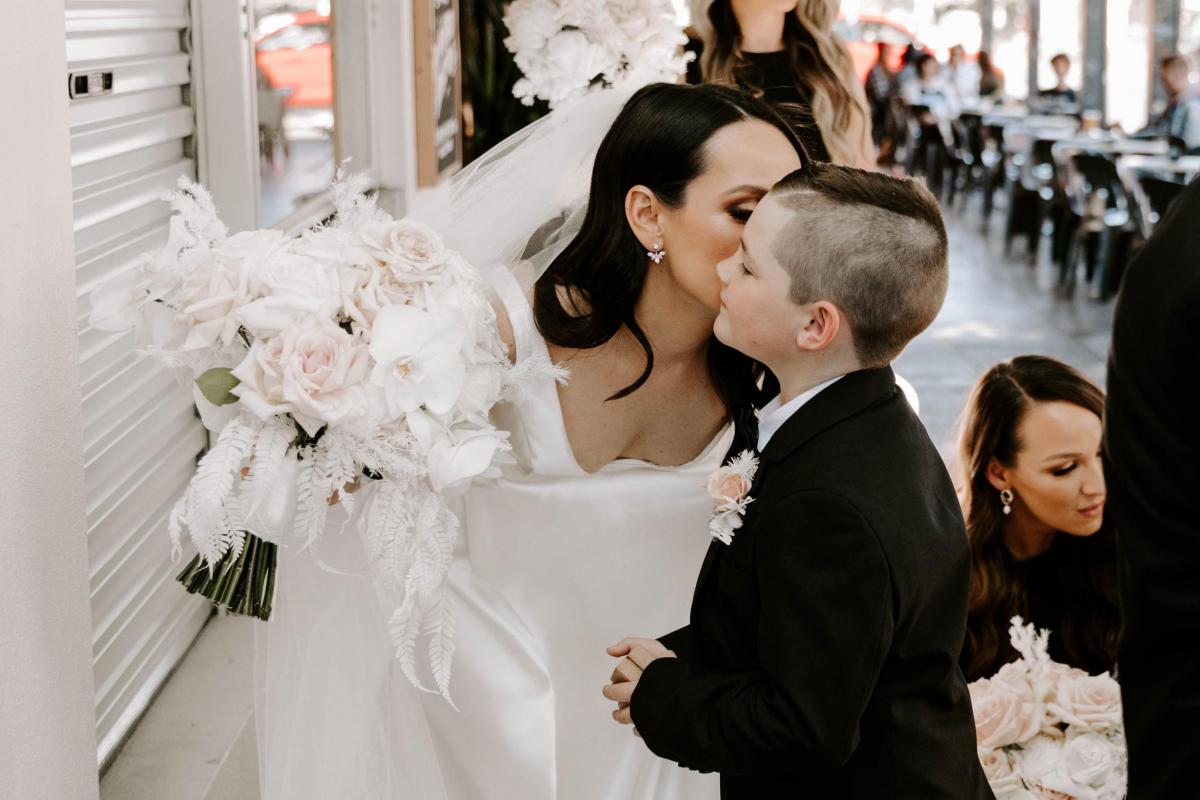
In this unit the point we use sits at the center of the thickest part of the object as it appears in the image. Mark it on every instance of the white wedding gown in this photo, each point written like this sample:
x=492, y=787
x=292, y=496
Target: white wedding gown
x=554, y=565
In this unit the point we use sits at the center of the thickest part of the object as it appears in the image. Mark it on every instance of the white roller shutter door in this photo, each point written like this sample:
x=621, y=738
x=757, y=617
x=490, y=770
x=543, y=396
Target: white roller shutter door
x=141, y=436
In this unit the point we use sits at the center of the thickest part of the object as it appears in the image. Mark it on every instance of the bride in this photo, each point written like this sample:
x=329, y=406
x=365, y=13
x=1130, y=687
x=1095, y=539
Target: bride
x=599, y=524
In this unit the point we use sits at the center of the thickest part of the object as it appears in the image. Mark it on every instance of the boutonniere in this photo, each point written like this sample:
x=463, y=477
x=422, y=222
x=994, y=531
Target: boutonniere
x=730, y=487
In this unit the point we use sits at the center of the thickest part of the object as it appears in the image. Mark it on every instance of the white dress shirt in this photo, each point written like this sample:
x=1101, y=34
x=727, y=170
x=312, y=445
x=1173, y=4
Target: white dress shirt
x=774, y=414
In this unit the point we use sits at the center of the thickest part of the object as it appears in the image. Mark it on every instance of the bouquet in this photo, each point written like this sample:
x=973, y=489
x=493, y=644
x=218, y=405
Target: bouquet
x=362, y=349
x=1045, y=730
x=565, y=48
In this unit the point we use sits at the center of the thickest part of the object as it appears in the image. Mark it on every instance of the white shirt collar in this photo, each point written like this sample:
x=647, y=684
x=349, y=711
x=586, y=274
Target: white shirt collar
x=774, y=414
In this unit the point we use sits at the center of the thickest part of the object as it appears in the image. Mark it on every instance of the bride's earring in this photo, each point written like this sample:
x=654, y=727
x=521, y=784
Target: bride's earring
x=1006, y=497
x=656, y=253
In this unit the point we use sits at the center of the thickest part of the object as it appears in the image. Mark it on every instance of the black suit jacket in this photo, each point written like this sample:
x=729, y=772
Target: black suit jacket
x=1152, y=462
x=822, y=656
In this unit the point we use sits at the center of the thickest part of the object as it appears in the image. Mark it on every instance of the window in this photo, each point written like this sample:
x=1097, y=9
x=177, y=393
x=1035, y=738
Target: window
x=1010, y=45
x=293, y=64
x=1127, y=75
x=1060, y=31
x=1189, y=34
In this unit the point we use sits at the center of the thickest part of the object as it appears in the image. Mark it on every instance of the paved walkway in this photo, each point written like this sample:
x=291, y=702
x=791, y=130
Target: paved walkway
x=998, y=307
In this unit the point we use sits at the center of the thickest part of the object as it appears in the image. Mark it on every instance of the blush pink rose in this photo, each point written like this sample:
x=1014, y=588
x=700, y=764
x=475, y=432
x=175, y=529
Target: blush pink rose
x=727, y=485
x=1001, y=717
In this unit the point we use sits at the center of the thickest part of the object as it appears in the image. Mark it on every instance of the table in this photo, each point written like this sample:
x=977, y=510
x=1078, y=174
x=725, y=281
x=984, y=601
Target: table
x=1182, y=169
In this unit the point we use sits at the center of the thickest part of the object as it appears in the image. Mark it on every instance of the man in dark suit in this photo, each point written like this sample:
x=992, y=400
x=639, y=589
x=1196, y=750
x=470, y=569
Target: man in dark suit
x=1152, y=462
x=822, y=656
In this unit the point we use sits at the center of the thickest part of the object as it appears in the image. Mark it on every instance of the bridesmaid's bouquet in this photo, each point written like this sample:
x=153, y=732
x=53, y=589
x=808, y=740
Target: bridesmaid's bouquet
x=566, y=48
x=1046, y=730
x=362, y=349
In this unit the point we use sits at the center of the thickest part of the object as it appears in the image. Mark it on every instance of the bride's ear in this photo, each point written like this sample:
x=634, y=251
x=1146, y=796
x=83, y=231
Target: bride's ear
x=642, y=211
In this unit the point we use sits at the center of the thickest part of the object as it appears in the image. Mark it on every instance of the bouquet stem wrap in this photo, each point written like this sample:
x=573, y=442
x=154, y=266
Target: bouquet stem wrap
x=241, y=584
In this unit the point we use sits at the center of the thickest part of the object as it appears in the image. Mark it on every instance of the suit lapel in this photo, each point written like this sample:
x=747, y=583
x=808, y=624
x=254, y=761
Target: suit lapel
x=844, y=399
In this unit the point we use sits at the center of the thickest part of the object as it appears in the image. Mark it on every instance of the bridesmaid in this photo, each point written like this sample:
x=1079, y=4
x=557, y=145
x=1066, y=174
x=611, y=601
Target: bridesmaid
x=1033, y=495
x=787, y=52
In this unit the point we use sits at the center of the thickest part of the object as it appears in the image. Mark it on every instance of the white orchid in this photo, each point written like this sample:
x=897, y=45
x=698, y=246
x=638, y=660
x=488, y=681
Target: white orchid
x=418, y=360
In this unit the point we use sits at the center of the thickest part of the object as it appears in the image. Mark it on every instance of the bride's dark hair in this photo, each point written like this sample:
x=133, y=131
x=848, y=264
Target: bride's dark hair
x=657, y=141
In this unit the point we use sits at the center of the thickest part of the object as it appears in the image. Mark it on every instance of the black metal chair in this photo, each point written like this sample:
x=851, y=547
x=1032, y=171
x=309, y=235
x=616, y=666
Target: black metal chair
x=1160, y=194
x=1034, y=192
x=1106, y=228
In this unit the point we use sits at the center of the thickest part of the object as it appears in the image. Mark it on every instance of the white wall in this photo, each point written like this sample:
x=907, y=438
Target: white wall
x=47, y=727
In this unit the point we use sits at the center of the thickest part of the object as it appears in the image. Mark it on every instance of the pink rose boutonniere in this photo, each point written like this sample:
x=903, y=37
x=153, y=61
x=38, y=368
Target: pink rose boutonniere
x=730, y=487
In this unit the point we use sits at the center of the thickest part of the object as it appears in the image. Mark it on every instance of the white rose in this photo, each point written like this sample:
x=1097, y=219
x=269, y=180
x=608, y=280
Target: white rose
x=1001, y=716
x=261, y=376
x=295, y=287
x=313, y=369
x=569, y=54
x=1092, y=702
x=211, y=294
x=1039, y=758
x=418, y=360
x=377, y=289
x=1091, y=759
x=412, y=251
x=531, y=22
x=996, y=764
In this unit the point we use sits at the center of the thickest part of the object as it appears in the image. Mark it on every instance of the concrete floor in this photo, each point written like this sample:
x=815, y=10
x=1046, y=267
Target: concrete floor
x=997, y=308
x=197, y=740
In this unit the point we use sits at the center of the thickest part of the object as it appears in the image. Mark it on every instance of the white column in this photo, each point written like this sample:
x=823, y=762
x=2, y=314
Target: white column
x=47, y=719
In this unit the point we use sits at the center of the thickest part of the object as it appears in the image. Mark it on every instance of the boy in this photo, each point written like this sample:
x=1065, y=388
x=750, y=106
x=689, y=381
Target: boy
x=822, y=656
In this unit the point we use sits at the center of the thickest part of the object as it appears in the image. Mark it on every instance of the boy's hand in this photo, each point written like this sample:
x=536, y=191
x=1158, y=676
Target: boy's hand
x=644, y=652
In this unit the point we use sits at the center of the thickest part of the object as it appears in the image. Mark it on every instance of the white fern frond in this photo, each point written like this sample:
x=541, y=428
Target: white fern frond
x=207, y=515
x=439, y=625
x=270, y=450
x=521, y=378
x=195, y=208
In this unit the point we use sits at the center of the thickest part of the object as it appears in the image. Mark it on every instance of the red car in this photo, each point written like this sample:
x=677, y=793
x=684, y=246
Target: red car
x=862, y=35
x=298, y=56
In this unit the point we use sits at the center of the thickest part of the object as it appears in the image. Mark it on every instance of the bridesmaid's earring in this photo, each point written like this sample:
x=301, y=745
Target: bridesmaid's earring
x=656, y=253
x=1006, y=497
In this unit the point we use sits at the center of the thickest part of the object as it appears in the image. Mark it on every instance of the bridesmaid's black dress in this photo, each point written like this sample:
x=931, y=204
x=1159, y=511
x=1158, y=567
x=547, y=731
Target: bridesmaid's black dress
x=771, y=74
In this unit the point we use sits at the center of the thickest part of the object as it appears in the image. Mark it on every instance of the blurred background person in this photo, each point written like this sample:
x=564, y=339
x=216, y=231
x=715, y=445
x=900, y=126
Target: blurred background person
x=933, y=108
x=991, y=79
x=1152, y=454
x=1033, y=495
x=1180, y=118
x=788, y=52
x=963, y=76
x=1060, y=98
x=882, y=86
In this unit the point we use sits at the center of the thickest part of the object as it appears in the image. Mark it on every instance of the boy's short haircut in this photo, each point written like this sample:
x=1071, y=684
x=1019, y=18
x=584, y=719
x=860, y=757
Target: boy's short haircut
x=873, y=245
x=1061, y=57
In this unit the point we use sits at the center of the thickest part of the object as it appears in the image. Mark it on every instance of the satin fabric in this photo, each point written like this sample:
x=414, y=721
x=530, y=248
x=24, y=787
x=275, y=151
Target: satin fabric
x=554, y=564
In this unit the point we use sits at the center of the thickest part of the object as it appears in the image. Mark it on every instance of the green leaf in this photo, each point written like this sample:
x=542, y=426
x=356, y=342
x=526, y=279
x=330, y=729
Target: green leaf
x=216, y=385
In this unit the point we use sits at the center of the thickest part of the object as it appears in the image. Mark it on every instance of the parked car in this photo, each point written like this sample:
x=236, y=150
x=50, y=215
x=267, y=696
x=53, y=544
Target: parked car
x=298, y=57
x=863, y=33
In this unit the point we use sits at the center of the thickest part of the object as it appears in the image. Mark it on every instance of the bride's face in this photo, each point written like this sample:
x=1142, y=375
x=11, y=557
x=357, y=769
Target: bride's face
x=742, y=162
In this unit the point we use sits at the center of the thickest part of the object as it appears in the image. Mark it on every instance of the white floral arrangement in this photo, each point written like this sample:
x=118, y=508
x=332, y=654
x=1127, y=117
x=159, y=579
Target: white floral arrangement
x=729, y=487
x=1045, y=730
x=360, y=349
x=566, y=48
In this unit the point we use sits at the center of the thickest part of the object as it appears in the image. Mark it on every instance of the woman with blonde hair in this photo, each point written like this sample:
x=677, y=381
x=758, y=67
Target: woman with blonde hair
x=787, y=52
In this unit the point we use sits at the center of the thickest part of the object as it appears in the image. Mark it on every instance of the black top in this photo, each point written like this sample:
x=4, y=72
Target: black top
x=771, y=74
x=822, y=656
x=1055, y=584
x=1058, y=99
x=1152, y=463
